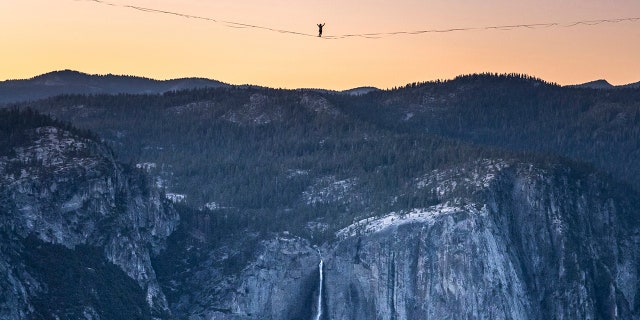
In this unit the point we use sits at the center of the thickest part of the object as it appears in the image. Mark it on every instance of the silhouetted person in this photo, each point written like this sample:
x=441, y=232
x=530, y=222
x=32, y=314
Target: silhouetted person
x=320, y=25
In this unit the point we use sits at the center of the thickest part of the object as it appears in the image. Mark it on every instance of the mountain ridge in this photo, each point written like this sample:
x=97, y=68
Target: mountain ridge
x=604, y=84
x=68, y=81
x=75, y=220
x=505, y=111
x=75, y=82
x=486, y=196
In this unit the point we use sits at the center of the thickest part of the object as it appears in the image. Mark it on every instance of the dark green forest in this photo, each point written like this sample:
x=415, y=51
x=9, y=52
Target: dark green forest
x=259, y=154
x=519, y=113
x=71, y=273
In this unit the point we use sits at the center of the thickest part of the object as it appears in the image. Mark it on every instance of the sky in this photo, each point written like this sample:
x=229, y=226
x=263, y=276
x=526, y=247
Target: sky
x=40, y=36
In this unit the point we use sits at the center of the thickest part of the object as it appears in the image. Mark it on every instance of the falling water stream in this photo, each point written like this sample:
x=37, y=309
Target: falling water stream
x=319, y=307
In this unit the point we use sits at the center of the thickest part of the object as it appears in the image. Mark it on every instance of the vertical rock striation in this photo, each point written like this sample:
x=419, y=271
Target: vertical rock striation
x=533, y=243
x=509, y=240
x=66, y=190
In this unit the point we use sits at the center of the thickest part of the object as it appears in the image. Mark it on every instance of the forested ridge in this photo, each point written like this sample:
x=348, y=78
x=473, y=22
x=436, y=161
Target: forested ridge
x=520, y=113
x=484, y=174
x=262, y=156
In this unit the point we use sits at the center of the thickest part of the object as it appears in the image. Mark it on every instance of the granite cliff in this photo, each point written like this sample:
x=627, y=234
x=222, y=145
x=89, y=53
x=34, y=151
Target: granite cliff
x=70, y=210
x=510, y=240
x=484, y=197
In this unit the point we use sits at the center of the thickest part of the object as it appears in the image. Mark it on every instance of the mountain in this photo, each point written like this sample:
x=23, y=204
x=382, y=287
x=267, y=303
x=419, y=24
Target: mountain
x=217, y=132
x=486, y=196
x=78, y=229
x=73, y=82
x=632, y=85
x=598, y=127
x=604, y=84
x=597, y=84
x=509, y=240
x=360, y=91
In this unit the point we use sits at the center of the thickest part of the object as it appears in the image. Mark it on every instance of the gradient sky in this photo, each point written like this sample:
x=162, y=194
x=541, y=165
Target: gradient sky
x=39, y=36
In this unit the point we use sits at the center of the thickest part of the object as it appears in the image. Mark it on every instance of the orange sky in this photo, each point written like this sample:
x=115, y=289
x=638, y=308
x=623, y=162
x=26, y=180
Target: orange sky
x=39, y=36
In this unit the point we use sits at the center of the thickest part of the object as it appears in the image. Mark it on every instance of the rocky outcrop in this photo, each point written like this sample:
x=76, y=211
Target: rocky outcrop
x=63, y=189
x=277, y=280
x=509, y=241
x=540, y=244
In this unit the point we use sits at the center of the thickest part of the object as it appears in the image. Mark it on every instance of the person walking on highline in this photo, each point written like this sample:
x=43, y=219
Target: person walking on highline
x=320, y=25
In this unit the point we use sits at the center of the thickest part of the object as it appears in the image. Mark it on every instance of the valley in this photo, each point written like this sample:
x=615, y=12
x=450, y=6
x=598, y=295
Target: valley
x=486, y=196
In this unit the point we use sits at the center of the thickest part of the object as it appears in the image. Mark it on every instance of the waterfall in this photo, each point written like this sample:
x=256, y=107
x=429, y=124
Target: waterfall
x=319, y=308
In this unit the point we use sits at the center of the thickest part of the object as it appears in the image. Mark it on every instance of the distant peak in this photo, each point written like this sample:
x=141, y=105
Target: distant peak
x=360, y=91
x=597, y=84
x=632, y=85
x=75, y=82
x=60, y=77
x=64, y=72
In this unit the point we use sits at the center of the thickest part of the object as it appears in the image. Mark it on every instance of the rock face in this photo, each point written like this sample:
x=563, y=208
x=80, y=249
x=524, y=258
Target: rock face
x=509, y=241
x=64, y=192
x=273, y=285
x=533, y=244
x=83, y=237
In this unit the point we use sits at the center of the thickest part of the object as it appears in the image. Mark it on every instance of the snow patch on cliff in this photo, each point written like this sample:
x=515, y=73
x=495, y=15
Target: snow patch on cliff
x=395, y=219
x=146, y=166
x=176, y=197
x=55, y=148
x=329, y=189
x=462, y=180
